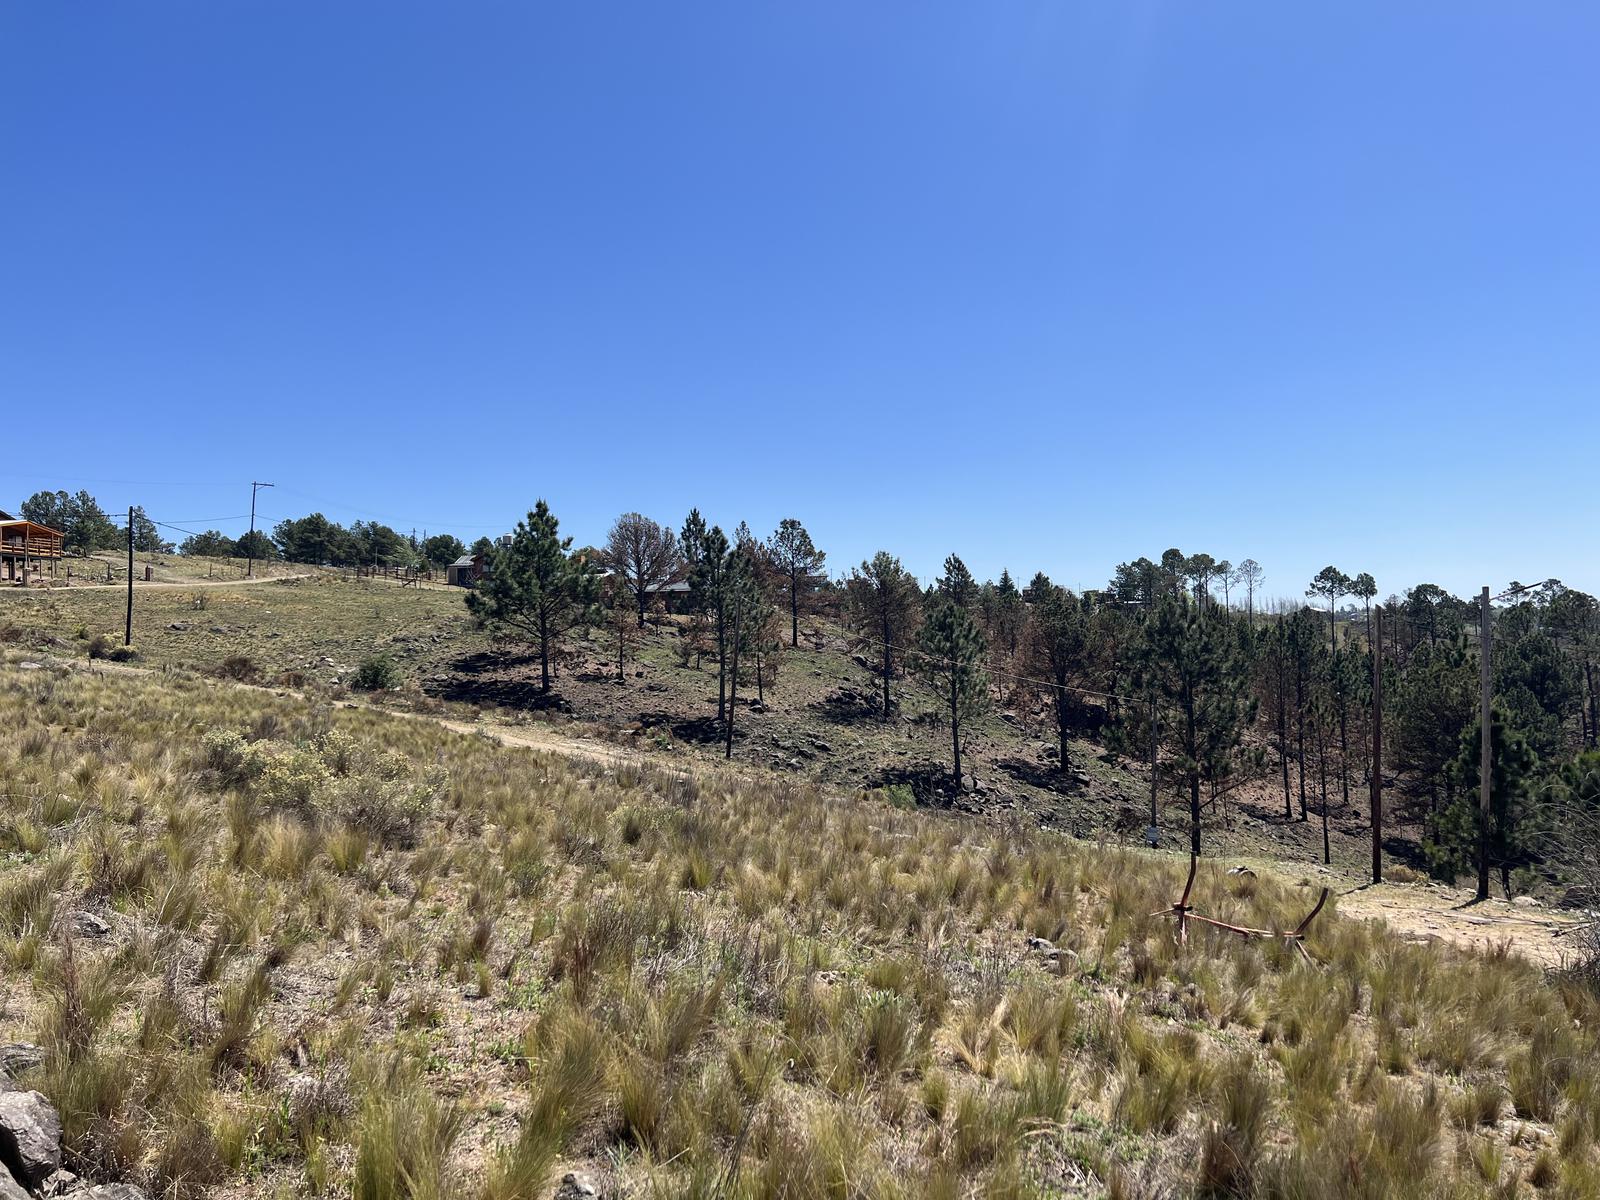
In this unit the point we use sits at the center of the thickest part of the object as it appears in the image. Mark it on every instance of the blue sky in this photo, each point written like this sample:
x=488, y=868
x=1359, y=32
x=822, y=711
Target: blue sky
x=1046, y=284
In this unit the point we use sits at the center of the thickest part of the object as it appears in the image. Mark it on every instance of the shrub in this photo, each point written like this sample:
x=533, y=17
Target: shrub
x=376, y=674
x=123, y=653
x=234, y=760
x=236, y=666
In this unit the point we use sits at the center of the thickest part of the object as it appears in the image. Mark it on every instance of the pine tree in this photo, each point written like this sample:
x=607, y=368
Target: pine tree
x=706, y=554
x=1193, y=661
x=147, y=537
x=1330, y=583
x=799, y=565
x=1513, y=818
x=1003, y=612
x=1432, y=707
x=747, y=614
x=537, y=587
x=952, y=662
x=1305, y=653
x=1057, y=649
x=885, y=607
x=1250, y=574
x=957, y=584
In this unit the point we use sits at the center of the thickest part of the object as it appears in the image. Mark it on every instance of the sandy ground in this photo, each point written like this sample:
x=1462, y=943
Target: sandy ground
x=1425, y=912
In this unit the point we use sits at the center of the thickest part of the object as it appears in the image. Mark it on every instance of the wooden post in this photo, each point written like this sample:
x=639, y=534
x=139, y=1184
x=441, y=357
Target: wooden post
x=1485, y=654
x=127, y=637
x=1377, y=744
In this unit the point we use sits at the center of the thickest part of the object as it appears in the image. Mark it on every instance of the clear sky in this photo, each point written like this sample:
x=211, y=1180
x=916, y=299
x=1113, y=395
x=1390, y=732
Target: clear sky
x=1051, y=285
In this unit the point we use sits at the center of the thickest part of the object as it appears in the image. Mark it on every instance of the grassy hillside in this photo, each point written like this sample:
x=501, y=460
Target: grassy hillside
x=348, y=952
x=816, y=719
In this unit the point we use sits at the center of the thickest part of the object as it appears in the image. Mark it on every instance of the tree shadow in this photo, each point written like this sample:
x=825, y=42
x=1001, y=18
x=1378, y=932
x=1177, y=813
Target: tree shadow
x=846, y=706
x=704, y=731
x=929, y=782
x=1045, y=776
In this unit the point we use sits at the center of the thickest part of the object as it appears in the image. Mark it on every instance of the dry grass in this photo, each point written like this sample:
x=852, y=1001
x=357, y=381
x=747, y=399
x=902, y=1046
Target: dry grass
x=353, y=954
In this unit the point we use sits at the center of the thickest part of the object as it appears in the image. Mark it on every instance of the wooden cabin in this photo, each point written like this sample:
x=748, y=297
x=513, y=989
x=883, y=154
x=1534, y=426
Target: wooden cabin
x=27, y=547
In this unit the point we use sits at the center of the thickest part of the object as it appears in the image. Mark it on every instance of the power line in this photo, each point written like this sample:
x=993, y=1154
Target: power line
x=907, y=652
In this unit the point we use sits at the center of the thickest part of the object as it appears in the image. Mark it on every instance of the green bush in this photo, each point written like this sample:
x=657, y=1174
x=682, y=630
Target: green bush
x=376, y=674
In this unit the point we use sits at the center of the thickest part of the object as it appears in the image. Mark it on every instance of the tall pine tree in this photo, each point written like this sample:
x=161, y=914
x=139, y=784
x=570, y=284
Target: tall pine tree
x=952, y=662
x=537, y=587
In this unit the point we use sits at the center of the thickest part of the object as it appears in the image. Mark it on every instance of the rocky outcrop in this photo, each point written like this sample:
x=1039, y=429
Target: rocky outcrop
x=30, y=1137
x=10, y=1189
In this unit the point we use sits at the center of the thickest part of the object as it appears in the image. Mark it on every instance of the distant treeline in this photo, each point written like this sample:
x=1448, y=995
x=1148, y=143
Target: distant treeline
x=1174, y=657
x=312, y=539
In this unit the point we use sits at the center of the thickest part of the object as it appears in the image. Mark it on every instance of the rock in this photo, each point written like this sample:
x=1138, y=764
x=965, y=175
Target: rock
x=86, y=924
x=1525, y=902
x=111, y=1191
x=575, y=1185
x=179, y=627
x=31, y=666
x=30, y=1137
x=10, y=1189
x=1011, y=718
x=219, y=629
x=1243, y=870
x=1043, y=945
x=17, y=1057
x=61, y=1183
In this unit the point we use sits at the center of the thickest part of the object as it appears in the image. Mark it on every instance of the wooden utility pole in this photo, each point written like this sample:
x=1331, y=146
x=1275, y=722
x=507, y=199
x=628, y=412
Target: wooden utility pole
x=127, y=635
x=1377, y=744
x=1485, y=654
x=250, y=564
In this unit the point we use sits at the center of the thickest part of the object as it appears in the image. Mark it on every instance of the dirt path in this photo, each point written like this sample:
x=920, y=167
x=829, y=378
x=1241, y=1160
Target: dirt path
x=1425, y=912
x=140, y=585
x=1418, y=912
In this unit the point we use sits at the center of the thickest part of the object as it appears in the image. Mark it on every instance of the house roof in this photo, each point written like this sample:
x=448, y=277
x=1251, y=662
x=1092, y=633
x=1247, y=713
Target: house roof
x=466, y=560
x=10, y=523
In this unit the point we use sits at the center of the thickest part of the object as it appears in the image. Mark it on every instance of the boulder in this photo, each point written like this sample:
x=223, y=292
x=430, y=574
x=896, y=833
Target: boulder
x=10, y=1189
x=17, y=1057
x=575, y=1185
x=61, y=1183
x=30, y=1137
x=111, y=1191
x=86, y=925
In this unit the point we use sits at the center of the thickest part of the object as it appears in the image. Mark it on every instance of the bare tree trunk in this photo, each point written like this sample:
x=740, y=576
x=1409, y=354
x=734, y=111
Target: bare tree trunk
x=1322, y=760
x=888, y=667
x=1061, y=723
x=1283, y=740
x=1194, y=774
x=955, y=728
x=733, y=688
x=722, y=665
x=544, y=651
x=1344, y=749
x=1300, y=729
x=794, y=610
